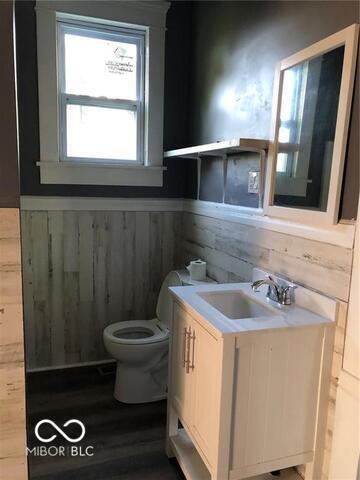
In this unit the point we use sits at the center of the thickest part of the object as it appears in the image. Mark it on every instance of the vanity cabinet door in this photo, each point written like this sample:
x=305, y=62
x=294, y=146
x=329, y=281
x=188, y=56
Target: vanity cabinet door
x=206, y=366
x=180, y=376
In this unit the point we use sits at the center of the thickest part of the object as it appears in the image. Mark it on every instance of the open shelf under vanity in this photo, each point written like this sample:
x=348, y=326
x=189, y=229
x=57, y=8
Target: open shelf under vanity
x=189, y=459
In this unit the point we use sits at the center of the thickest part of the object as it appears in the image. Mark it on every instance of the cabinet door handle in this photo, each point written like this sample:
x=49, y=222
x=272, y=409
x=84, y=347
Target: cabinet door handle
x=193, y=337
x=184, y=348
x=187, y=361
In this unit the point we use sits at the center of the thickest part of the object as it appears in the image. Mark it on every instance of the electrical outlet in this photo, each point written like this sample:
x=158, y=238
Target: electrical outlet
x=253, y=182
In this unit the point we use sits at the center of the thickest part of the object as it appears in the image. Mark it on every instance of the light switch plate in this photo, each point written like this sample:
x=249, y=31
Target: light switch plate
x=253, y=182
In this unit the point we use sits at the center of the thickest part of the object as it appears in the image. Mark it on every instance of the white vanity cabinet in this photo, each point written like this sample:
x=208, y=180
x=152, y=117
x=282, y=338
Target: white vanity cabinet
x=195, y=365
x=181, y=381
x=246, y=401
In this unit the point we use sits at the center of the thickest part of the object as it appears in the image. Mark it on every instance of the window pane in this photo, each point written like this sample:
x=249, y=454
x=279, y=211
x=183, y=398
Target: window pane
x=284, y=134
x=100, y=67
x=281, y=163
x=99, y=132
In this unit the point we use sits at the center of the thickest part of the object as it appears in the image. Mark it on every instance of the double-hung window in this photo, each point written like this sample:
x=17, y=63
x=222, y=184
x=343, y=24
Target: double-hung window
x=101, y=93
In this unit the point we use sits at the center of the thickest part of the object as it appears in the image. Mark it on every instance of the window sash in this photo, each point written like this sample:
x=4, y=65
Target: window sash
x=64, y=99
x=129, y=105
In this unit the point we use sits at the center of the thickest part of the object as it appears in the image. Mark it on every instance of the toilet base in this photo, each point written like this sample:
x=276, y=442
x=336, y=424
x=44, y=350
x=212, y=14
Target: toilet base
x=135, y=386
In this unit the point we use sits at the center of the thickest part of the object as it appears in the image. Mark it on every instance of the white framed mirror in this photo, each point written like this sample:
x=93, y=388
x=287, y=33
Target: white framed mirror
x=311, y=109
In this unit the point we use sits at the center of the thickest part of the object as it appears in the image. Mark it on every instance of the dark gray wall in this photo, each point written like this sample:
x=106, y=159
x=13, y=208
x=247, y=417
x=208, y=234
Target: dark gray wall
x=175, y=115
x=9, y=185
x=236, y=48
x=178, y=54
x=237, y=176
x=220, y=63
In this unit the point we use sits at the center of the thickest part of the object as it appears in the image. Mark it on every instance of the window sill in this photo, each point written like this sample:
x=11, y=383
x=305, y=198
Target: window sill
x=74, y=173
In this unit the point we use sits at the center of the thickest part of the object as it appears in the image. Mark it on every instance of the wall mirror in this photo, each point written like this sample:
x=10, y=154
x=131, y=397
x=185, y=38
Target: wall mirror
x=312, y=103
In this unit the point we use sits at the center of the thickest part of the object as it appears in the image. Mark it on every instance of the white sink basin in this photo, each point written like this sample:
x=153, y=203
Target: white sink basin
x=234, y=304
x=236, y=307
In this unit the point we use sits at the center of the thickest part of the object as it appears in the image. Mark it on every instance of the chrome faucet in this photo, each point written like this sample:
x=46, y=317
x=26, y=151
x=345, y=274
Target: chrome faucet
x=278, y=293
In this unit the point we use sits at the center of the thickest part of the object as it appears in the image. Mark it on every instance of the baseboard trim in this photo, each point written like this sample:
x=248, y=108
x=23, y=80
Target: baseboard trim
x=72, y=365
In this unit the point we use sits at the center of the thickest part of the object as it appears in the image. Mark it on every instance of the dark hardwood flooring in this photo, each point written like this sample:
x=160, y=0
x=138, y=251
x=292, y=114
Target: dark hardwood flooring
x=128, y=440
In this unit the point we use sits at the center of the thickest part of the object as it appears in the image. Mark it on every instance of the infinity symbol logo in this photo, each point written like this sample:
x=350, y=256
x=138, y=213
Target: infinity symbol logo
x=69, y=439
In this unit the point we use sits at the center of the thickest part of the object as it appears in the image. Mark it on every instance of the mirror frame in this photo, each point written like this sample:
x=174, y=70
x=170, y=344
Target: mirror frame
x=349, y=38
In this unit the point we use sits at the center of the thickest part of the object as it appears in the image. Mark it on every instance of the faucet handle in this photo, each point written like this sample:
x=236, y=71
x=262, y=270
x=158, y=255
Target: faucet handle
x=286, y=294
x=255, y=285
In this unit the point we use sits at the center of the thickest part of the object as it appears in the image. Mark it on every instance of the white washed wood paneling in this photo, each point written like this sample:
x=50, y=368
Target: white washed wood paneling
x=232, y=250
x=13, y=463
x=86, y=269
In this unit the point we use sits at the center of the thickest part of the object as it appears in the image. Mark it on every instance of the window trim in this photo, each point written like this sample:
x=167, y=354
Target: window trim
x=149, y=16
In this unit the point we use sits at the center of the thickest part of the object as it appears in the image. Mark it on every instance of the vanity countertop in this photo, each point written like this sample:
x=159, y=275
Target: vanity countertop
x=278, y=316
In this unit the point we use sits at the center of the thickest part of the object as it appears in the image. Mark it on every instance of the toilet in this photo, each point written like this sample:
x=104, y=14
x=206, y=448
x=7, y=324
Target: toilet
x=140, y=348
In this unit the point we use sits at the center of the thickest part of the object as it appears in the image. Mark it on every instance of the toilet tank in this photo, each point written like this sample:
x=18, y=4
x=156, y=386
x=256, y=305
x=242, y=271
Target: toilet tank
x=175, y=278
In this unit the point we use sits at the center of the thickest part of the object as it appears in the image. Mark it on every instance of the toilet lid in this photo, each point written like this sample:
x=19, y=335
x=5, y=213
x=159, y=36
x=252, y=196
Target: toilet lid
x=164, y=303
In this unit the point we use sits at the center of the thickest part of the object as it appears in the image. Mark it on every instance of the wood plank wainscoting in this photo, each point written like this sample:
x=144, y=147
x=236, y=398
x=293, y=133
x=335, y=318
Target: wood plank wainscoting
x=232, y=249
x=13, y=464
x=85, y=269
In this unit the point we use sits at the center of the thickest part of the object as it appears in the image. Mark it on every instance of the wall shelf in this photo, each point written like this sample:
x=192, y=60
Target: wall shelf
x=225, y=148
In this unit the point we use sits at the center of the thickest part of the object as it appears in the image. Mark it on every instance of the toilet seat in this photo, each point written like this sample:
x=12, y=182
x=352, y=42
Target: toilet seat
x=137, y=332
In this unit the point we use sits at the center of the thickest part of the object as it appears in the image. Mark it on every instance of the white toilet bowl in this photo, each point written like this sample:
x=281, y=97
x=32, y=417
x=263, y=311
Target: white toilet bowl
x=141, y=350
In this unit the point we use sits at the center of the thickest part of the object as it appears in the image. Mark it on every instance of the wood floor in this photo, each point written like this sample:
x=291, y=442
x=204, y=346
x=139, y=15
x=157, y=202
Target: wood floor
x=128, y=440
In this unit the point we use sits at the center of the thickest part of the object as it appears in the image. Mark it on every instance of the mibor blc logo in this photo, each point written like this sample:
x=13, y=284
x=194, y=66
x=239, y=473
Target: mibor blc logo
x=60, y=450
x=53, y=424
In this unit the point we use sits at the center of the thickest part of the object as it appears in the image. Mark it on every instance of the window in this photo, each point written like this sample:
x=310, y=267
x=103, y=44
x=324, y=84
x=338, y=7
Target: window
x=101, y=93
x=101, y=74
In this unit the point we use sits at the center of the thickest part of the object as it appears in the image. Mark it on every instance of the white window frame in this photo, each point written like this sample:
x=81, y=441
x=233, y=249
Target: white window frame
x=148, y=17
x=103, y=32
